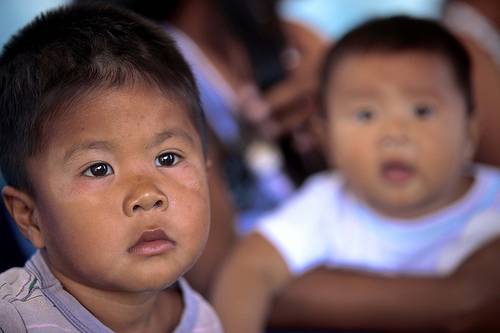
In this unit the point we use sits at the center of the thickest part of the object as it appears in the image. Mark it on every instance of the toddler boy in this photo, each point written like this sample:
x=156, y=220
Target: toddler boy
x=102, y=147
x=404, y=197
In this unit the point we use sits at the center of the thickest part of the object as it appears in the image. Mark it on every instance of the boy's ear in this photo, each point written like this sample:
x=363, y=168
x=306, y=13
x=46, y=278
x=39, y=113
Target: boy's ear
x=21, y=207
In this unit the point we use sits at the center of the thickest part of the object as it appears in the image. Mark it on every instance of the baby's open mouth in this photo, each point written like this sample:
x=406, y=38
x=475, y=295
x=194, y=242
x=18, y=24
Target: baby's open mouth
x=397, y=171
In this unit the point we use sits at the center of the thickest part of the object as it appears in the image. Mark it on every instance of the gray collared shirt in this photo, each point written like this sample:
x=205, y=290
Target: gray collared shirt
x=33, y=300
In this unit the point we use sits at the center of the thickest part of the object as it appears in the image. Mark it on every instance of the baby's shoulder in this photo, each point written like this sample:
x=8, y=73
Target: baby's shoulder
x=487, y=186
x=320, y=184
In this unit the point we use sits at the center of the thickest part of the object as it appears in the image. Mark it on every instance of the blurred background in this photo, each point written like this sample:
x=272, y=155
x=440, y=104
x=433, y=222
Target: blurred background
x=318, y=13
x=328, y=18
x=254, y=81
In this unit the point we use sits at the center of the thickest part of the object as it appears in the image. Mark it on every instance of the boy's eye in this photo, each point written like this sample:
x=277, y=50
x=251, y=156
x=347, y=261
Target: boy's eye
x=100, y=169
x=423, y=111
x=364, y=115
x=167, y=159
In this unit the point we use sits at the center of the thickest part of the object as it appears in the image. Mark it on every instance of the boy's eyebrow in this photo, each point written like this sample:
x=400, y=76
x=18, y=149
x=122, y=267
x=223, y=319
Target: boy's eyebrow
x=89, y=145
x=169, y=133
x=105, y=145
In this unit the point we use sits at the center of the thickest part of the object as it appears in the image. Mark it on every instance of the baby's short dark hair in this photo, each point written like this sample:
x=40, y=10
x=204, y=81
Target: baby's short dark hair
x=71, y=52
x=400, y=34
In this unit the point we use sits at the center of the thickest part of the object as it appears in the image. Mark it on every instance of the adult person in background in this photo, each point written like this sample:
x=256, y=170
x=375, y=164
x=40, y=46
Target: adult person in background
x=257, y=76
x=477, y=24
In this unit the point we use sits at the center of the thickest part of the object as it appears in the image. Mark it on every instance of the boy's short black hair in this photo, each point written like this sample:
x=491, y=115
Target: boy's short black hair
x=71, y=52
x=401, y=34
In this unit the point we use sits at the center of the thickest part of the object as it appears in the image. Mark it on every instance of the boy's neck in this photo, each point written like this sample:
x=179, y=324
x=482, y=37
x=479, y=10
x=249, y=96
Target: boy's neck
x=156, y=311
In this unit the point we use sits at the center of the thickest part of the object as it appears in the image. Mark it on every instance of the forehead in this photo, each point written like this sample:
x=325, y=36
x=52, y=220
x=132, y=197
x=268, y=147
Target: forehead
x=107, y=112
x=412, y=71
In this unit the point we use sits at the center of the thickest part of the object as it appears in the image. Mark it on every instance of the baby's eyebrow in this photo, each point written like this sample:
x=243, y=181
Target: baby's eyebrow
x=171, y=133
x=90, y=145
x=361, y=93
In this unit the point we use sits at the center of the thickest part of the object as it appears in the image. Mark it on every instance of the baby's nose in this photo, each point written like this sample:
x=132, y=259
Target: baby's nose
x=394, y=132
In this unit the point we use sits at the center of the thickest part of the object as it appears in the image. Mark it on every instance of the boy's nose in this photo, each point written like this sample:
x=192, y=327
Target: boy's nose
x=145, y=197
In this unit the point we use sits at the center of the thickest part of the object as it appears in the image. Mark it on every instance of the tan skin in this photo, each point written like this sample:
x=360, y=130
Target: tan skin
x=305, y=303
x=119, y=163
x=291, y=100
x=222, y=234
x=329, y=299
x=466, y=301
x=196, y=14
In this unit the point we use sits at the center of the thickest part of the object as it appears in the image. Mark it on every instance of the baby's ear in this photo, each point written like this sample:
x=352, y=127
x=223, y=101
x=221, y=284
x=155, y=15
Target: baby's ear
x=21, y=207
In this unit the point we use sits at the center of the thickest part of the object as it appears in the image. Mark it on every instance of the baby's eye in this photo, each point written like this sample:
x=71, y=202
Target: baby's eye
x=167, y=159
x=100, y=169
x=364, y=115
x=423, y=111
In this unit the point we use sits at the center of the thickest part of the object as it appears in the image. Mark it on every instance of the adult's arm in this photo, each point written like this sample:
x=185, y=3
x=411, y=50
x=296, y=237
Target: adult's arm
x=248, y=282
x=467, y=300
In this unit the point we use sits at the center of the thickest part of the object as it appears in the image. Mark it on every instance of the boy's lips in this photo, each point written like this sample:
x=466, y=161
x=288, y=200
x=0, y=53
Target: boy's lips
x=152, y=242
x=397, y=171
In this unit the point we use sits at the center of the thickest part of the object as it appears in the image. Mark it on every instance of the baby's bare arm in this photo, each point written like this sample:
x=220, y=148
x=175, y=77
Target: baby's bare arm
x=249, y=280
x=468, y=300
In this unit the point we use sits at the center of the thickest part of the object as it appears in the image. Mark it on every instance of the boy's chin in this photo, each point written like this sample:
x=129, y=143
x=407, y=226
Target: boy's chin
x=153, y=281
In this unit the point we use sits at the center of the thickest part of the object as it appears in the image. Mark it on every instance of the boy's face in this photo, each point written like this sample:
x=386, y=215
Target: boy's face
x=399, y=131
x=121, y=191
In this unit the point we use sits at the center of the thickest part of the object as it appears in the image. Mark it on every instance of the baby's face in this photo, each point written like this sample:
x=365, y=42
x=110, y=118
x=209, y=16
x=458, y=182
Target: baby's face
x=399, y=131
x=121, y=192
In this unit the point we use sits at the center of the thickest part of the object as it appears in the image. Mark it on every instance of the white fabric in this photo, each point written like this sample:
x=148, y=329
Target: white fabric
x=324, y=224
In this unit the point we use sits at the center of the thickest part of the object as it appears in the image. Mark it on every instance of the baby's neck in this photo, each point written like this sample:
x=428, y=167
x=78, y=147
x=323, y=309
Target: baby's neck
x=432, y=206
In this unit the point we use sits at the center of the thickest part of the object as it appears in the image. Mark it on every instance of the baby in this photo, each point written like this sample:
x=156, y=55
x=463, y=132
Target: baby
x=102, y=147
x=404, y=197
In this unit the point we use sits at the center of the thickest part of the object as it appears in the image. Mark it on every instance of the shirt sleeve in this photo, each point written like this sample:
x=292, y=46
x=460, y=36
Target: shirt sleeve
x=10, y=319
x=198, y=315
x=297, y=230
